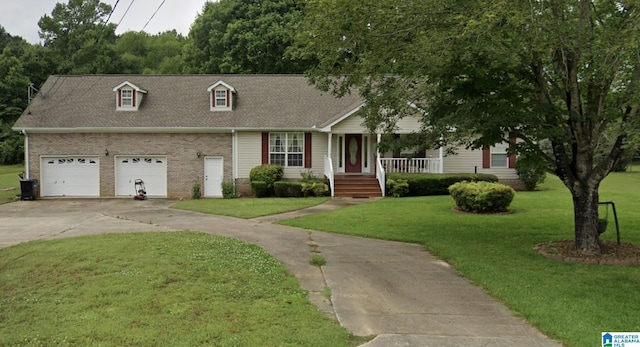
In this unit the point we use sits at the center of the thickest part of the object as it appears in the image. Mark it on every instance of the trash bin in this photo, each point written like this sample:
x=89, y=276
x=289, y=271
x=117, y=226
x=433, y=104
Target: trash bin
x=28, y=189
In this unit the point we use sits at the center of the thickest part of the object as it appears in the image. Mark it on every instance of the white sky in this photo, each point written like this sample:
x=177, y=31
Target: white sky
x=20, y=17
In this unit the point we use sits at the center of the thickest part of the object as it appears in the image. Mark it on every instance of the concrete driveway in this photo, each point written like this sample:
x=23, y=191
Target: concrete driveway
x=395, y=291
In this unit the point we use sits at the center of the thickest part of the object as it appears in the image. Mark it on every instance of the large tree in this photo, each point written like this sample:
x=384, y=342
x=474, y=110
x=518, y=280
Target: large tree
x=555, y=72
x=80, y=40
x=243, y=36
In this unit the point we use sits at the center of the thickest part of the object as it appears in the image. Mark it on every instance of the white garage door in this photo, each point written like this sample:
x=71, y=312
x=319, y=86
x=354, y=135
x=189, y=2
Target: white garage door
x=70, y=176
x=152, y=170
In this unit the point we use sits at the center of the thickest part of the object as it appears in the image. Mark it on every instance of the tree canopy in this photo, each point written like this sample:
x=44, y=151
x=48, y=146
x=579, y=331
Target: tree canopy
x=550, y=73
x=239, y=36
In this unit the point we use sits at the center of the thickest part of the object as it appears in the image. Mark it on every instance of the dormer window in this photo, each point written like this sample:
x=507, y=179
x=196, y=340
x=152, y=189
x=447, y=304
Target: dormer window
x=221, y=96
x=128, y=96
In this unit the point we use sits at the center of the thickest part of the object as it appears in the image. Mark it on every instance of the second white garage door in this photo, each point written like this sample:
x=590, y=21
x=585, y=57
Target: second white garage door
x=152, y=170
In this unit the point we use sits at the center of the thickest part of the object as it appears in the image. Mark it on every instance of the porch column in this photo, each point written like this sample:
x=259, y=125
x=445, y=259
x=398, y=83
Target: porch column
x=441, y=155
x=329, y=145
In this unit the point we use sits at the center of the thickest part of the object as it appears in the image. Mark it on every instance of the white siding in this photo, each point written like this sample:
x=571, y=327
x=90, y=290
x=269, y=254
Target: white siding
x=250, y=155
x=466, y=160
x=353, y=125
x=249, y=152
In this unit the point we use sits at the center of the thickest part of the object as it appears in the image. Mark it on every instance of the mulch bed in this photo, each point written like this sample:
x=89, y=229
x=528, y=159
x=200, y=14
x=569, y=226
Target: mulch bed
x=612, y=253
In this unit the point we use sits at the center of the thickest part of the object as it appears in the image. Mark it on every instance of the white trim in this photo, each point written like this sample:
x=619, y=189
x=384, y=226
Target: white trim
x=340, y=119
x=127, y=83
x=176, y=130
x=234, y=155
x=26, y=154
x=221, y=83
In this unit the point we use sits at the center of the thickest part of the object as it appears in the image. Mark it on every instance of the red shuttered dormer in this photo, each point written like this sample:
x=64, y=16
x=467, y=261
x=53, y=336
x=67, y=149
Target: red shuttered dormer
x=128, y=96
x=221, y=96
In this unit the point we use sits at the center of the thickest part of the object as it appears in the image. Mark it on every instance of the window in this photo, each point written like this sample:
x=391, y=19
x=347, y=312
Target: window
x=126, y=97
x=499, y=156
x=286, y=149
x=221, y=98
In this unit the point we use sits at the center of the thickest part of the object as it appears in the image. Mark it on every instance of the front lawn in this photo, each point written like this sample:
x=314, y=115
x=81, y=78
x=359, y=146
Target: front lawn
x=248, y=207
x=155, y=289
x=9, y=182
x=572, y=303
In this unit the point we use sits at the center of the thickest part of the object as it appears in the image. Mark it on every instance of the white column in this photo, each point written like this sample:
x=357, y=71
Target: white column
x=441, y=155
x=329, y=145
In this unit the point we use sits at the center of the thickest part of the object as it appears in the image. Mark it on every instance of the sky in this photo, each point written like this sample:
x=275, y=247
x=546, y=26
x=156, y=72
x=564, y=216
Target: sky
x=20, y=17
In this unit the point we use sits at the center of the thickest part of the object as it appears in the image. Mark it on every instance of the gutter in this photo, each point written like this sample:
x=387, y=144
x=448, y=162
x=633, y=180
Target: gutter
x=163, y=130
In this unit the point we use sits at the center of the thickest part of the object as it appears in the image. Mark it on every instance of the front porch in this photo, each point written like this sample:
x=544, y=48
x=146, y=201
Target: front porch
x=355, y=168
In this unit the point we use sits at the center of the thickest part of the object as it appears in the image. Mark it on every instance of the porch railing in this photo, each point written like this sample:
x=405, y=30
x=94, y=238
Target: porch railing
x=381, y=176
x=414, y=165
x=328, y=172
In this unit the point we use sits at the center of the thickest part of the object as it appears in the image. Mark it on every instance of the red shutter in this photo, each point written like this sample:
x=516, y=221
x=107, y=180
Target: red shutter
x=228, y=98
x=486, y=158
x=512, y=158
x=265, y=148
x=213, y=98
x=307, y=150
x=133, y=95
x=119, y=98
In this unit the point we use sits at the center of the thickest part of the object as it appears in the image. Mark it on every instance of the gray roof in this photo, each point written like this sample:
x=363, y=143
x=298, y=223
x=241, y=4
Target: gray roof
x=182, y=101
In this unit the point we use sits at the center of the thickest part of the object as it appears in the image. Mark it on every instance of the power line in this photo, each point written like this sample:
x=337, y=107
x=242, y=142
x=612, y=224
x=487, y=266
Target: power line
x=104, y=23
x=154, y=13
x=125, y=13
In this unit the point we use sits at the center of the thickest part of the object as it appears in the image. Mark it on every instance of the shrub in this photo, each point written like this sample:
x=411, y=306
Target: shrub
x=315, y=189
x=531, y=171
x=195, y=191
x=482, y=197
x=228, y=189
x=267, y=173
x=423, y=184
x=288, y=189
x=397, y=187
x=259, y=189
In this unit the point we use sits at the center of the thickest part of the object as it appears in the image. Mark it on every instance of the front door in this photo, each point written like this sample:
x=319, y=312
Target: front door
x=353, y=155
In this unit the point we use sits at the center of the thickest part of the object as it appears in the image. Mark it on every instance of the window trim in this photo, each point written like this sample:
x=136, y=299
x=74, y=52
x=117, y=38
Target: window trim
x=499, y=149
x=130, y=98
x=286, y=148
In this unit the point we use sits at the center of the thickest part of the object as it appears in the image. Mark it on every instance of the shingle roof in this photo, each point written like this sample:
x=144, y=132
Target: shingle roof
x=182, y=101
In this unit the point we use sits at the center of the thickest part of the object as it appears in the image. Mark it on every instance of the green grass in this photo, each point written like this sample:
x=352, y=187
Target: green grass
x=248, y=207
x=155, y=289
x=9, y=182
x=573, y=303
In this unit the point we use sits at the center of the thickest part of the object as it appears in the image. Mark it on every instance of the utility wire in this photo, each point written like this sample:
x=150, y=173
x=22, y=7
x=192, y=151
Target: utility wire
x=125, y=13
x=154, y=13
x=104, y=23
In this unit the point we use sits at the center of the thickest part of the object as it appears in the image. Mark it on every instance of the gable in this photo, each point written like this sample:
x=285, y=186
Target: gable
x=128, y=96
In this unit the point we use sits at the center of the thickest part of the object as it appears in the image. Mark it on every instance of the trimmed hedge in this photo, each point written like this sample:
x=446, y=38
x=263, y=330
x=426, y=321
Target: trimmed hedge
x=315, y=189
x=482, y=197
x=436, y=184
x=259, y=189
x=288, y=189
x=268, y=173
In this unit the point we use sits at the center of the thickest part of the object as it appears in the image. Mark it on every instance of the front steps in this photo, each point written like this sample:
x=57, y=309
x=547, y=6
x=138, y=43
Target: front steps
x=356, y=186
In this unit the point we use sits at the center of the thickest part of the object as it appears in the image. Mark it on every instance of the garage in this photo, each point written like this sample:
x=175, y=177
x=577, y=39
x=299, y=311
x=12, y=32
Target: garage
x=73, y=176
x=152, y=170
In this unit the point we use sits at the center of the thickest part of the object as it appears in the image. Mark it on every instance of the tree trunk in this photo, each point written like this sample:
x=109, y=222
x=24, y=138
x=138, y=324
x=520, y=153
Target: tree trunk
x=585, y=211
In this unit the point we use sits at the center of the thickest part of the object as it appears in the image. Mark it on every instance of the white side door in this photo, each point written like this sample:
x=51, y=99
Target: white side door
x=213, y=176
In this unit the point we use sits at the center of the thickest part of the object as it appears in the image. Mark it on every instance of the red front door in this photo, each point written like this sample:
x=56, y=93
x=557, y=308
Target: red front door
x=353, y=153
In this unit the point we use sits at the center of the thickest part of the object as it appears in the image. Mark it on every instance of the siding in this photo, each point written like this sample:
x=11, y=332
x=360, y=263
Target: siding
x=353, y=125
x=466, y=160
x=250, y=155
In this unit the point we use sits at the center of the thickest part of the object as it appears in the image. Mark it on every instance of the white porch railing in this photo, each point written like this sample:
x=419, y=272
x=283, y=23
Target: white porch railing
x=328, y=172
x=414, y=165
x=381, y=176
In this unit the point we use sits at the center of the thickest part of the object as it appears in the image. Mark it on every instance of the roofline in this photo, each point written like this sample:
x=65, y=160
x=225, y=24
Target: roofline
x=328, y=127
x=165, y=130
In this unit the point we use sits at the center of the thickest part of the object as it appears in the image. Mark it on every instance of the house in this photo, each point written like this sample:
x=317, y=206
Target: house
x=94, y=135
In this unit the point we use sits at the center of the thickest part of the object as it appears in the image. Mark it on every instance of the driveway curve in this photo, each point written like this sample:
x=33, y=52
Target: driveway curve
x=394, y=291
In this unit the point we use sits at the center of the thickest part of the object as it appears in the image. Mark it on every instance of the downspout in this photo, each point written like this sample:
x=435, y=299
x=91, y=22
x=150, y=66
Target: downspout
x=26, y=154
x=234, y=154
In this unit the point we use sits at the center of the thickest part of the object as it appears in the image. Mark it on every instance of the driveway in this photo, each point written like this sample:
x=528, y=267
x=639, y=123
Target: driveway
x=395, y=291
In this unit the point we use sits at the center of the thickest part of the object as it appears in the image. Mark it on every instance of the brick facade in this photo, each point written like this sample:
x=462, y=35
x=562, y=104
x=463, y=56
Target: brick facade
x=184, y=167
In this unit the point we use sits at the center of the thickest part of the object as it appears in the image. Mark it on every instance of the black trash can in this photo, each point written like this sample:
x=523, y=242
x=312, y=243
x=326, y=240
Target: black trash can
x=28, y=189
